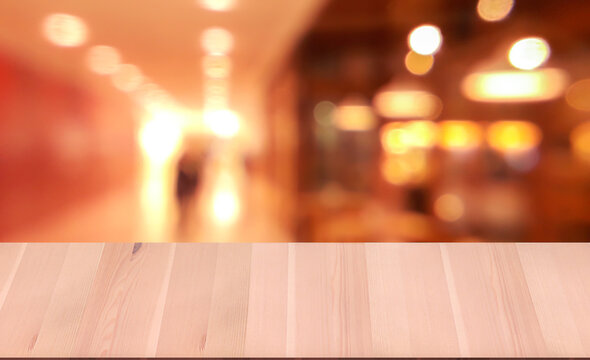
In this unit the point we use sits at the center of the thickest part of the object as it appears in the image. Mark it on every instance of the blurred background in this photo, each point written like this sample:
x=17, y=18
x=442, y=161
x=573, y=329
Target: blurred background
x=308, y=120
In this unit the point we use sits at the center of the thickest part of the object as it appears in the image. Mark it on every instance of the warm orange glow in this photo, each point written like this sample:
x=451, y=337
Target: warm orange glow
x=422, y=133
x=459, y=135
x=578, y=95
x=223, y=122
x=217, y=41
x=398, y=137
x=225, y=199
x=127, y=78
x=513, y=136
x=515, y=86
x=395, y=171
x=449, y=207
x=160, y=136
x=411, y=167
x=65, y=30
x=354, y=114
x=580, y=141
x=218, y=5
x=323, y=111
x=407, y=104
x=418, y=64
x=217, y=66
x=103, y=60
x=395, y=138
x=529, y=53
x=152, y=97
x=425, y=39
x=354, y=118
x=494, y=10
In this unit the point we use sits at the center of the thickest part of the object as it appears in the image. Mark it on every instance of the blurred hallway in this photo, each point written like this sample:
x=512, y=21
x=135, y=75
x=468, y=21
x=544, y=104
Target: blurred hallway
x=310, y=120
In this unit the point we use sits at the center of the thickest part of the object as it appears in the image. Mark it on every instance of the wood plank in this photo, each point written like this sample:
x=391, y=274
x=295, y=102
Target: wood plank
x=10, y=258
x=410, y=305
x=126, y=305
x=497, y=311
x=266, y=331
x=366, y=300
x=60, y=325
x=226, y=331
x=331, y=299
x=188, y=303
x=29, y=296
x=550, y=297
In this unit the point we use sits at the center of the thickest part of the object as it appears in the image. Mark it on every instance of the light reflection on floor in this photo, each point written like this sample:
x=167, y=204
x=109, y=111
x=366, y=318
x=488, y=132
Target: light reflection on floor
x=147, y=211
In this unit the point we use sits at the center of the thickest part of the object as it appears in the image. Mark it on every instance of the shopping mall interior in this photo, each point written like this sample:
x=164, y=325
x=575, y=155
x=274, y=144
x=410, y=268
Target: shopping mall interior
x=307, y=121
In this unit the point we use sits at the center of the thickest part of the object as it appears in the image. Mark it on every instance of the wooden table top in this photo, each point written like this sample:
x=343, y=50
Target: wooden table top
x=377, y=299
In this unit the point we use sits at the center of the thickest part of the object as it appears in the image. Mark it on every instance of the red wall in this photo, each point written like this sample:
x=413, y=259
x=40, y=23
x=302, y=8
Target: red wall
x=59, y=145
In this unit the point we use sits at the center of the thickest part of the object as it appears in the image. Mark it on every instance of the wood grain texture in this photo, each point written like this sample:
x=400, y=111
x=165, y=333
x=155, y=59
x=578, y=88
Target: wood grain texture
x=398, y=299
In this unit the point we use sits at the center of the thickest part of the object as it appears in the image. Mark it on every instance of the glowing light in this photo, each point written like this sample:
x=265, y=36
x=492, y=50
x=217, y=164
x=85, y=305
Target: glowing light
x=449, y=207
x=322, y=112
x=411, y=167
x=459, y=135
x=398, y=137
x=218, y=66
x=425, y=39
x=407, y=104
x=65, y=30
x=217, y=41
x=223, y=122
x=354, y=114
x=103, y=60
x=578, y=95
x=494, y=10
x=394, y=138
x=226, y=206
x=395, y=171
x=422, y=133
x=529, y=53
x=127, y=78
x=513, y=136
x=218, y=5
x=418, y=64
x=515, y=86
x=580, y=141
x=160, y=136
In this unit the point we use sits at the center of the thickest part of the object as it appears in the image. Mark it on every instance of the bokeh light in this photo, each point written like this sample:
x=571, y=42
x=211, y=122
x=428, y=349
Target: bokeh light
x=354, y=114
x=127, y=78
x=580, y=141
x=460, y=135
x=395, y=138
x=425, y=39
x=217, y=41
x=217, y=66
x=103, y=60
x=217, y=5
x=222, y=122
x=515, y=86
x=323, y=111
x=422, y=134
x=395, y=171
x=578, y=95
x=449, y=207
x=529, y=53
x=407, y=104
x=418, y=64
x=65, y=30
x=399, y=137
x=494, y=10
x=160, y=136
x=513, y=136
